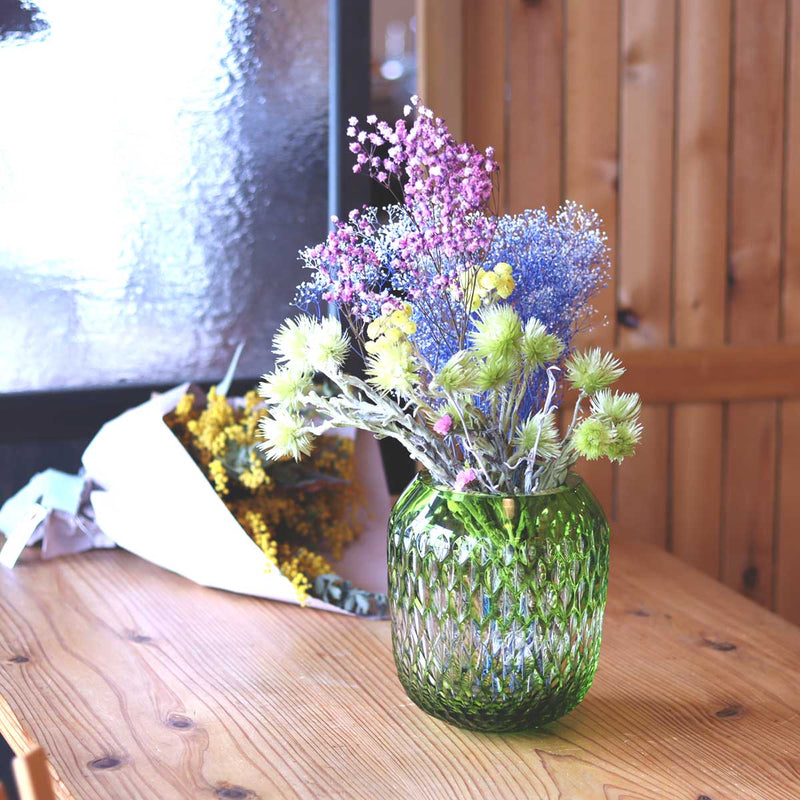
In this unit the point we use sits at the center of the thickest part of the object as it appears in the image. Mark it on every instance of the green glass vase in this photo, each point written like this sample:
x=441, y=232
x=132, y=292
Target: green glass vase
x=497, y=602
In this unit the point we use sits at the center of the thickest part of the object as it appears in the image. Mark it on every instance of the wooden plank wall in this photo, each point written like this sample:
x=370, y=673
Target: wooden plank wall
x=679, y=121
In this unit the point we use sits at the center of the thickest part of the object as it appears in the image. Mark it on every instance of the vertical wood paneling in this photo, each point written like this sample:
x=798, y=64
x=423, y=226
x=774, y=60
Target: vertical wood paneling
x=701, y=224
x=754, y=296
x=591, y=155
x=787, y=585
x=582, y=98
x=644, y=259
x=535, y=105
x=484, y=75
x=440, y=59
x=749, y=520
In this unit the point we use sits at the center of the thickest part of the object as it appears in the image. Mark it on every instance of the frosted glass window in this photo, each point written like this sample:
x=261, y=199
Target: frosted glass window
x=161, y=162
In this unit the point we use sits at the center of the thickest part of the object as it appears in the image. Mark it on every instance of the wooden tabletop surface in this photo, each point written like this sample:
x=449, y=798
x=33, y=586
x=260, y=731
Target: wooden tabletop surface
x=140, y=684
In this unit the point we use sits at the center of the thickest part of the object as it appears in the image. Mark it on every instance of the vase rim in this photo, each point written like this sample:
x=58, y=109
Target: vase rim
x=573, y=481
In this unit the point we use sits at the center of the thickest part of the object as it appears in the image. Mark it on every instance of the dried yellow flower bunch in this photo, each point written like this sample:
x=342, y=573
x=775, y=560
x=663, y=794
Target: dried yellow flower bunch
x=293, y=512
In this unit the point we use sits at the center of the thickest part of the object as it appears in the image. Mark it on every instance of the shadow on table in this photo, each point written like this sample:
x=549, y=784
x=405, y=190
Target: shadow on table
x=619, y=720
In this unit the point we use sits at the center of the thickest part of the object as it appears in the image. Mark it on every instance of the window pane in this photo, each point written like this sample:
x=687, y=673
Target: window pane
x=160, y=165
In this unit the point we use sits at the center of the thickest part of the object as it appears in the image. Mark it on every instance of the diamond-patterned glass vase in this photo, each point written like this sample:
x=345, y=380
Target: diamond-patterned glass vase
x=497, y=602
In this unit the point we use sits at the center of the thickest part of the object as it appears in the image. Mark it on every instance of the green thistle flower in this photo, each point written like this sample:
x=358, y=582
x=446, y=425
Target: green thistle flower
x=285, y=434
x=594, y=370
x=460, y=373
x=496, y=372
x=292, y=342
x=328, y=346
x=623, y=442
x=615, y=408
x=285, y=387
x=544, y=427
x=538, y=346
x=591, y=439
x=390, y=368
x=498, y=332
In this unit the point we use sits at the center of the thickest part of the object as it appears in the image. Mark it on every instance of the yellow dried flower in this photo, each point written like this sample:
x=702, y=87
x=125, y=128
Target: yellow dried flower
x=499, y=280
x=254, y=524
x=255, y=476
x=251, y=401
x=184, y=408
x=219, y=477
x=301, y=588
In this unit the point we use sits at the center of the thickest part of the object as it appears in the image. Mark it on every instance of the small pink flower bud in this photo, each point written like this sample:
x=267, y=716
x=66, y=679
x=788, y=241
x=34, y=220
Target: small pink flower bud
x=443, y=425
x=464, y=478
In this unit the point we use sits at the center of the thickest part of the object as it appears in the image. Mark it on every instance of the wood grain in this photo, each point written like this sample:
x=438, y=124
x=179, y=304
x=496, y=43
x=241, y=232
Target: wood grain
x=484, y=80
x=644, y=260
x=712, y=374
x=591, y=157
x=787, y=556
x=754, y=287
x=139, y=684
x=696, y=512
x=535, y=105
x=700, y=270
x=749, y=512
x=440, y=61
x=642, y=506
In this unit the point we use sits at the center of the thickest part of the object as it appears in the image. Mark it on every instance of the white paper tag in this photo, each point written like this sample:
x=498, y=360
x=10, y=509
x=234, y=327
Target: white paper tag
x=21, y=535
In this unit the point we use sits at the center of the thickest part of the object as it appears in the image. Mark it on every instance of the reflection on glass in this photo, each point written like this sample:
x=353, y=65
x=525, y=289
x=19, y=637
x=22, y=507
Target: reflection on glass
x=160, y=165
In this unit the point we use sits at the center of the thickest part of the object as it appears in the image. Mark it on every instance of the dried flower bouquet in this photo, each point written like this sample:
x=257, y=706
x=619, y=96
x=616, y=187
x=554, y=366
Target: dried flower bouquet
x=465, y=319
x=298, y=514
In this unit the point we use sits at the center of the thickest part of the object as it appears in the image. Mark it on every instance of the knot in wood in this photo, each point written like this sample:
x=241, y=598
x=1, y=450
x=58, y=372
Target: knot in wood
x=730, y=711
x=180, y=722
x=715, y=644
x=750, y=578
x=628, y=318
x=232, y=793
x=106, y=762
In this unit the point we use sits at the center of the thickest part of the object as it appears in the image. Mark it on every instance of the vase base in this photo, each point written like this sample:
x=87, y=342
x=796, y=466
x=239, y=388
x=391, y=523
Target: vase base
x=516, y=718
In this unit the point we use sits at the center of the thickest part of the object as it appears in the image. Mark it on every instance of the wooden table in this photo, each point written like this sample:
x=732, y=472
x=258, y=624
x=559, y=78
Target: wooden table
x=140, y=684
